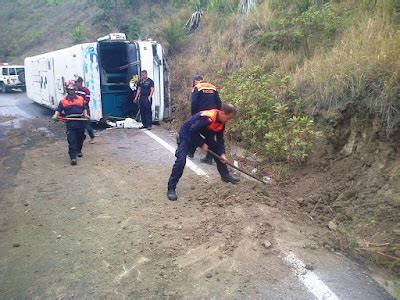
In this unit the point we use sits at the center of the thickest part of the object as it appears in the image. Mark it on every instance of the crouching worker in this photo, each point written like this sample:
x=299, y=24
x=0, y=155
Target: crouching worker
x=211, y=125
x=71, y=106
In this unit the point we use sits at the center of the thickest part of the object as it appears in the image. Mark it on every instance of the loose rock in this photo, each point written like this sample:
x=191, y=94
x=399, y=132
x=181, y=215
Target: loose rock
x=267, y=244
x=16, y=245
x=332, y=226
x=309, y=267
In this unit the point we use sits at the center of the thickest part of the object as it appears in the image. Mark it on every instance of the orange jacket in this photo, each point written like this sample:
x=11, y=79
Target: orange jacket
x=212, y=115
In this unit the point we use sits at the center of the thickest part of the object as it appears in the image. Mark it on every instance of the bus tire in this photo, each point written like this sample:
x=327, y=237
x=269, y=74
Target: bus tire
x=3, y=88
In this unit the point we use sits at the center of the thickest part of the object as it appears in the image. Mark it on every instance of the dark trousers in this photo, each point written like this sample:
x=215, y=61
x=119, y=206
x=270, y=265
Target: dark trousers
x=192, y=150
x=89, y=129
x=75, y=137
x=130, y=108
x=180, y=162
x=145, y=111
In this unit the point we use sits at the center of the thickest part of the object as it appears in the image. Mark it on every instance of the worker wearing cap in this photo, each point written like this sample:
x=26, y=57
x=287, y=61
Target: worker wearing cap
x=208, y=121
x=204, y=97
x=85, y=94
x=145, y=95
x=72, y=104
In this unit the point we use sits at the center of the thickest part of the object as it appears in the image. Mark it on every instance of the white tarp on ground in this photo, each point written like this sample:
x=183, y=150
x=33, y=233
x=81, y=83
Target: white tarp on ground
x=127, y=123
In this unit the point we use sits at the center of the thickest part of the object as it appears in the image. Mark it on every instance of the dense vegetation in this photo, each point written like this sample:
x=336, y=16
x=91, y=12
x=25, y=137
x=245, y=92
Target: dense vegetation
x=283, y=62
x=303, y=59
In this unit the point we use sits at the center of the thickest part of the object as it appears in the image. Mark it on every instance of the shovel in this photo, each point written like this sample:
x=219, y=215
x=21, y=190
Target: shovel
x=72, y=117
x=236, y=168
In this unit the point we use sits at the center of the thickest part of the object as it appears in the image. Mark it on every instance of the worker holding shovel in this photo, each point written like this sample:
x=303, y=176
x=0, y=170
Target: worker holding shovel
x=210, y=124
x=72, y=106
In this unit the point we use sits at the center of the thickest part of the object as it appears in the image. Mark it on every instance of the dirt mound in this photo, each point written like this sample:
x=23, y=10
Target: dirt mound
x=357, y=186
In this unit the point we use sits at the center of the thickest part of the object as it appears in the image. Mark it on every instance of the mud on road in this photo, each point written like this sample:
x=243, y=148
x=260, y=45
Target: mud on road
x=105, y=229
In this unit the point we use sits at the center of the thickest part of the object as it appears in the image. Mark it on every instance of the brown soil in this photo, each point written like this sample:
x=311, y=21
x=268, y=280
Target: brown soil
x=105, y=229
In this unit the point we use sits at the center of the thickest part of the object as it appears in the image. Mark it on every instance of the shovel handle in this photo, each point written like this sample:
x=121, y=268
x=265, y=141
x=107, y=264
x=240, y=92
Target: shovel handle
x=236, y=168
x=71, y=119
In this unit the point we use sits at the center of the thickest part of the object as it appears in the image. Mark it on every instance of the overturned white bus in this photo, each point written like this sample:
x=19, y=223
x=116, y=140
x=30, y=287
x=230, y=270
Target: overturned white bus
x=106, y=67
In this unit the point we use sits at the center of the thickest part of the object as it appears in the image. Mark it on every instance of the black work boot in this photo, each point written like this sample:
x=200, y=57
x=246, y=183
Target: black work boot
x=171, y=194
x=231, y=179
x=79, y=154
x=73, y=161
x=206, y=160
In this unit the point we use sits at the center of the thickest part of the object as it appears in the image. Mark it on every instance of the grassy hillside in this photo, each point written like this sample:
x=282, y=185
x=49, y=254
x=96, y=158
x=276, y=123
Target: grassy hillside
x=315, y=81
x=32, y=27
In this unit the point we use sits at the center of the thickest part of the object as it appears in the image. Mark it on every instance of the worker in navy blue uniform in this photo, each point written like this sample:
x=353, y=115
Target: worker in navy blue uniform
x=72, y=104
x=211, y=124
x=145, y=95
x=204, y=97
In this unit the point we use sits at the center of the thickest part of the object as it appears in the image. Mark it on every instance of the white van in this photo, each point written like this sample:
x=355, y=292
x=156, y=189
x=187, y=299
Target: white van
x=12, y=77
x=106, y=67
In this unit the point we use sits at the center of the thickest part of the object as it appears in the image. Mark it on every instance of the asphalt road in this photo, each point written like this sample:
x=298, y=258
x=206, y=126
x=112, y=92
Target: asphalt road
x=247, y=272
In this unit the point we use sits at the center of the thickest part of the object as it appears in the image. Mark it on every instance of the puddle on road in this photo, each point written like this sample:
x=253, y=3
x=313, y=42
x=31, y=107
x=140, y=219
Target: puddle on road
x=11, y=115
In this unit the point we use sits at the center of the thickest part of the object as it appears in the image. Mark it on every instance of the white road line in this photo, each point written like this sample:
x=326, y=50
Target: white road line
x=171, y=149
x=309, y=278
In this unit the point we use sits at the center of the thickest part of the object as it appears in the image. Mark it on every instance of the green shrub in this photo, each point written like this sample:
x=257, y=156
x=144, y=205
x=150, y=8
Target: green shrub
x=77, y=33
x=133, y=29
x=53, y=2
x=174, y=35
x=287, y=5
x=292, y=31
x=269, y=115
x=194, y=4
x=223, y=6
x=290, y=137
x=27, y=41
x=105, y=4
x=100, y=17
x=7, y=46
x=390, y=7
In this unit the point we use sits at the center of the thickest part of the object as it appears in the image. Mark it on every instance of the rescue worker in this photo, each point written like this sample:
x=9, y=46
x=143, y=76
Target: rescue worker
x=211, y=124
x=204, y=97
x=144, y=94
x=72, y=104
x=85, y=94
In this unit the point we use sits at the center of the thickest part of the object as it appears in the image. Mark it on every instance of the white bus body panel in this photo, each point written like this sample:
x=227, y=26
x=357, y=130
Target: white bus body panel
x=46, y=73
x=91, y=77
x=155, y=71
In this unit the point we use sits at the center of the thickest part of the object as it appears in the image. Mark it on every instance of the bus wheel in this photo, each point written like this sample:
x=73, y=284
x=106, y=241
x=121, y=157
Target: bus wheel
x=3, y=88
